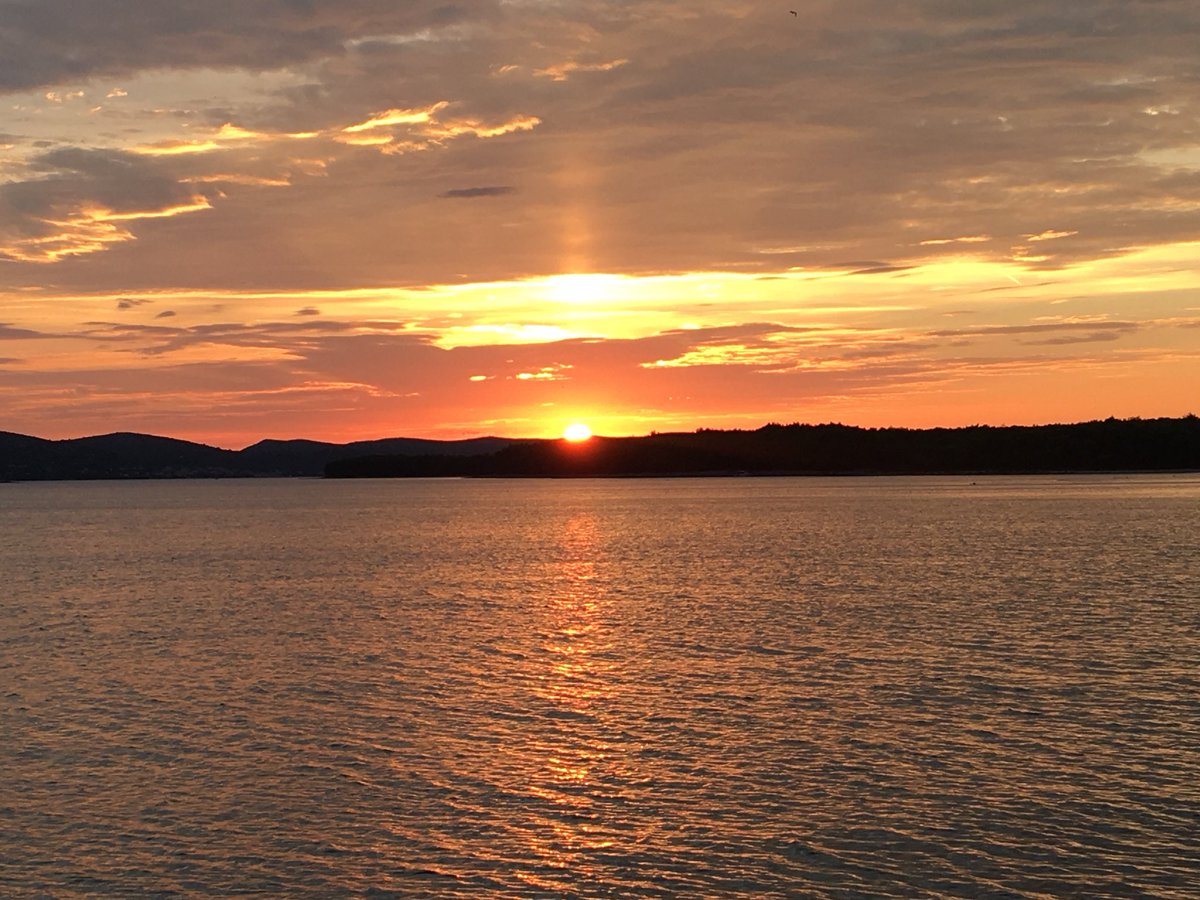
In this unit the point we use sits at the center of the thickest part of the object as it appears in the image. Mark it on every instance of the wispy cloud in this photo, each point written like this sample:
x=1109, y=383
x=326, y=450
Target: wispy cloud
x=474, y=192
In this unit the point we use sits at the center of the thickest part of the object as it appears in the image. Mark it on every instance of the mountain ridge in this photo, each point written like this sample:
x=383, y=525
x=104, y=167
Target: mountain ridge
x=125, y=454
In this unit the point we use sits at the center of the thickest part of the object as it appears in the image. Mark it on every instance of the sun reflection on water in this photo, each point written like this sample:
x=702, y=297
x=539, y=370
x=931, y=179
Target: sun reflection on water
x=577, y=771
x=574, y=640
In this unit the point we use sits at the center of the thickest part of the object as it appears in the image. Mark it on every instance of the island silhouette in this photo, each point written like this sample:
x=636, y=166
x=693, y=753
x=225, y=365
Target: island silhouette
x=1110, y=445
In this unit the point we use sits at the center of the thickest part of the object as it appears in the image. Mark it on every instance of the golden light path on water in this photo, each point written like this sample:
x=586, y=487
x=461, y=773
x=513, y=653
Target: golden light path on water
x=576, y=681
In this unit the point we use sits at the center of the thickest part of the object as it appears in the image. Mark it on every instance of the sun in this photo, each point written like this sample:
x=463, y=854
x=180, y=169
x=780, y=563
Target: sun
x=576, y=432
x=582, y=288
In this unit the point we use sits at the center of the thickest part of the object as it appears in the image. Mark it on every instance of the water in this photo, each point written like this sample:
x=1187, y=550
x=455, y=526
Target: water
x=779, y=687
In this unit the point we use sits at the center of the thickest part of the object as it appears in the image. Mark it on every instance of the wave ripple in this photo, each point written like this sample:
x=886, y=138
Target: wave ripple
x=842, y=688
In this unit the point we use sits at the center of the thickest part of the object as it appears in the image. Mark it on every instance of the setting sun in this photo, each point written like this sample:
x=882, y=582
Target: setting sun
x=577, y=432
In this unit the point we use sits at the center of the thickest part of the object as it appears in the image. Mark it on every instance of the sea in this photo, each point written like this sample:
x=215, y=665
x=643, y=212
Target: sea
x=769, y=687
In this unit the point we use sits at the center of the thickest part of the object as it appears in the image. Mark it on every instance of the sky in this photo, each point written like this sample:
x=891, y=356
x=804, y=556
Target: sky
x=226, y=220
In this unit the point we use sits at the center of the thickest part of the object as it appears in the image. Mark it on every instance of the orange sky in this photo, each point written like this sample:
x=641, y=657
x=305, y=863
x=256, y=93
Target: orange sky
x=227, y=221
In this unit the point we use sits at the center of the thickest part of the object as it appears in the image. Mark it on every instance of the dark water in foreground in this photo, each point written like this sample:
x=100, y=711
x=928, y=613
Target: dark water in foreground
x=788, y=687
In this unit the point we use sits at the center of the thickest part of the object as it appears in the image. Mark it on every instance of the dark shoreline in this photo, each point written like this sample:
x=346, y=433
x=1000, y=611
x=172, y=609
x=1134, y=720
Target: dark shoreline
x=881, y=474
x=1111, y=446
x=621, y=477
x=1135, y=445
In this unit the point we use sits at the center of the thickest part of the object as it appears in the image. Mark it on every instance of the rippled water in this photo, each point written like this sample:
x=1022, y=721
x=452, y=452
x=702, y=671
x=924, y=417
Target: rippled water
x=789, y=687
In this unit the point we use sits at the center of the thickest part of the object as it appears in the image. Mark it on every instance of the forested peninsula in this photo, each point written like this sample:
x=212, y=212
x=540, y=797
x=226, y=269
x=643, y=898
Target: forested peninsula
x=1112, y=445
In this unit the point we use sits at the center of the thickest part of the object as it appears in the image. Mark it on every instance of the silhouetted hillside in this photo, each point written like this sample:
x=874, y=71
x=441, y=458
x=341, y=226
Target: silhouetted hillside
x=125, y=455
x=1110, y=445
x=120, y=455
x=301, y=457
x=21, y=456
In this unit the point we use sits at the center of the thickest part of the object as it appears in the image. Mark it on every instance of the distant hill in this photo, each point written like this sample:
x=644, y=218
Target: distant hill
x=126, y=455
x=302, y=457
x=1109, y=445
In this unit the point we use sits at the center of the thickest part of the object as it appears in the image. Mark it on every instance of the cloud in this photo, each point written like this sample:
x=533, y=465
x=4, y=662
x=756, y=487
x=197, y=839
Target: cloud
x=1091, y=337
x=473, y=192
x=563, y=71
x=881, y=269
x=1116, y=328
x=396, y=131
x=13, y=333
x=77, y=201
x=848, y=132
x=46, y=42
